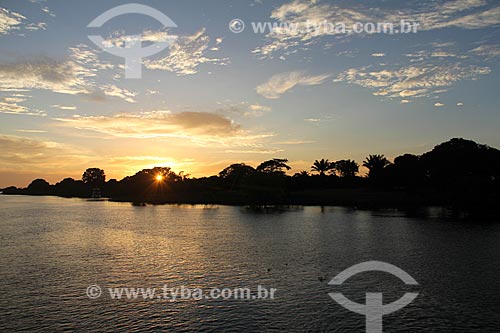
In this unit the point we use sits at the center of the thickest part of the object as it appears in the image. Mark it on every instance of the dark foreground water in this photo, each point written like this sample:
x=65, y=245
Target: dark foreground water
x=52, y=249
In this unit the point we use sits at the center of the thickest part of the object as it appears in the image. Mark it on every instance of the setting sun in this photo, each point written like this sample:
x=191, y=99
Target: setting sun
x=159, y=178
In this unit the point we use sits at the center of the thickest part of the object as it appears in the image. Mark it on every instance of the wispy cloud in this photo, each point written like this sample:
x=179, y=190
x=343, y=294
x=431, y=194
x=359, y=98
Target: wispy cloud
x=114, y=91
x=11, y=105
x=156, y=124
x=256, y=110
x=306, y=17
x=11, y=21
x=244, y=109
x=186, y=54
x=75, y=75
x=258, y=107
x=295, y=142
x=30, y=131
x=279, y=84
x=24, y=153
x=43, y=73
x=198, y=128
x=119, y=39
x=64, y=107
x=412, y=80
x=254, y=151
x=487, y=51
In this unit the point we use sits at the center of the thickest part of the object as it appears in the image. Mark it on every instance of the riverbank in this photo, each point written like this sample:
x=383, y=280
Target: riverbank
x=363, y=198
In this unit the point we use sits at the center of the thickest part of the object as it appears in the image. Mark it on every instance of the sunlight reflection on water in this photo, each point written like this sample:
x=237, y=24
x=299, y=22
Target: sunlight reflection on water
x=53, y=248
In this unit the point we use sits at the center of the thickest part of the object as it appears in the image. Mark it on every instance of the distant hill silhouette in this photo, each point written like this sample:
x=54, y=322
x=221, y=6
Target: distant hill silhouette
x=457, y=172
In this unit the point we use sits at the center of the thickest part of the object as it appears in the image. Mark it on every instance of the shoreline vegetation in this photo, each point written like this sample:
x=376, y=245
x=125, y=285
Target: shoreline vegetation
x=458, y=173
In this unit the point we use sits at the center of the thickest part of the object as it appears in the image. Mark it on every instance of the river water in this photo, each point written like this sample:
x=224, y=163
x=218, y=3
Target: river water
x=52, y=249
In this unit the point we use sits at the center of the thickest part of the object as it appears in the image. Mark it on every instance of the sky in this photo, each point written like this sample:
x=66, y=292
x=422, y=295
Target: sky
x=307, y=87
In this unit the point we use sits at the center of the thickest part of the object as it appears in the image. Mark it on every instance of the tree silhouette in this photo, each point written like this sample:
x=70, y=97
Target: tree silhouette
x=235, y=173
x=457, y=172
x=166, y=174
x=94, y=177
x=322, y=166
x=406, y=172
x=455, y=162
x=147, y=176
x=347, y=168
x=375, y=164
x=39, y=186
x=276, y=165
x=303, y=174
x=237, y=170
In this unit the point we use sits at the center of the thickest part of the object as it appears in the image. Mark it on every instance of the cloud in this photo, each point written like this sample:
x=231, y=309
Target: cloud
x=88, y=59
x=488, y=51
x=279, y=84
x=47, y=10
x=152, y=92
x=43, y=73
x=256, y=110
x=258, y=107
x=10, y=105
x=119, y=39
x=23, y=153
x=413, y=80
x=484, y=19
x=296, y=21
x=465, y=14
x=74, y=76
x=64, y=107
x=295, y=142
x=13, y=108
x=9, y=21
x=299, y=22
x=254, y=151
x=242, y=109
x=186, y=54
x=425, y=72
x=443, y=54
x=157, y=124
x=453, y=6
x=199, y=128
x=114, y=91
x=30, y=131
x=13, y=99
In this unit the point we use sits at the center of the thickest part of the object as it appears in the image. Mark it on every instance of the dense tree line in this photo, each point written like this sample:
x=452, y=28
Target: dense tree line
x=456, y=170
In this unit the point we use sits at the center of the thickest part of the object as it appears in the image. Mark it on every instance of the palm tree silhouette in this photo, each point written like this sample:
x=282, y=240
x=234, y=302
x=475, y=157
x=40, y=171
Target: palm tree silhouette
x=346, y=168
x=375, y=164
x=322, y=166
